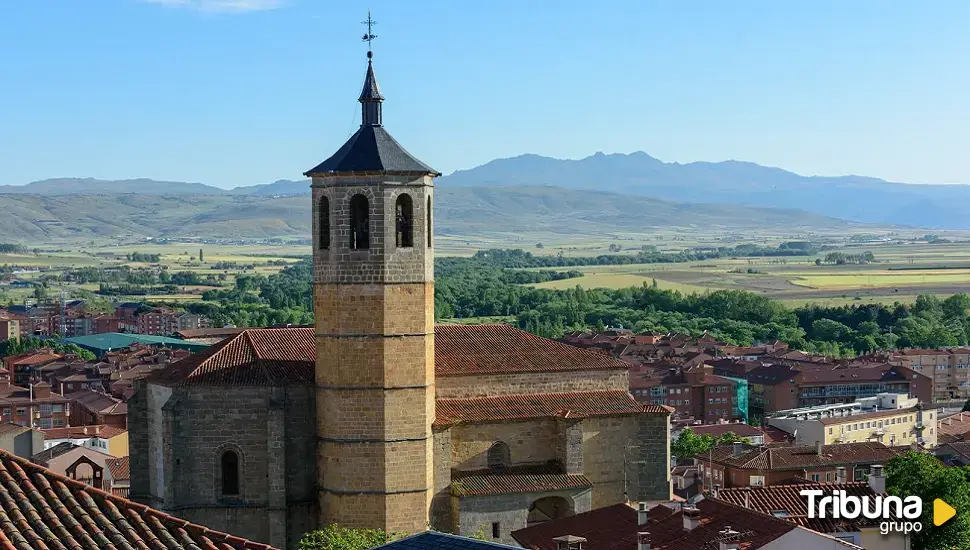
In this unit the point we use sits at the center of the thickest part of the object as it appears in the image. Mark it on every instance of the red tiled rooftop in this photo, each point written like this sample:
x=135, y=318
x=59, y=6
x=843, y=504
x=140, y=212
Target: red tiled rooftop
x=615, y=528
x=78, y=432
x=266, y=356
x=42, y=509
x=787, y=498
x=120, y=468
x=794, y=457
x=484, y=349
x=515, y=479
x=520, y=407
x=33, y=358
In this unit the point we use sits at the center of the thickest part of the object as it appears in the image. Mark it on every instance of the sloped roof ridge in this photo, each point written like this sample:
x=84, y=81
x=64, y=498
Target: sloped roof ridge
x=44, y=476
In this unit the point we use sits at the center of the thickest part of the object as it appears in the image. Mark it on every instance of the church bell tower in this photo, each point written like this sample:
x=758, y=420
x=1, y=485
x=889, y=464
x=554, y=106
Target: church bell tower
x=373, y=296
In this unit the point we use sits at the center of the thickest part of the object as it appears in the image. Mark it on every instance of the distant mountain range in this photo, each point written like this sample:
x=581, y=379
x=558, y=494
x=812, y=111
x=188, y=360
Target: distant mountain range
x=509, y=212
x=628, y=179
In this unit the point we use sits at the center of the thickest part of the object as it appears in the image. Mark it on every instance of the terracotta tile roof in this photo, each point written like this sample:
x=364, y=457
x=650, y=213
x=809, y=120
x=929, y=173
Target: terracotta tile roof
x=44, y=510
x=96, y=401
x=852, y=375
x=717, y=430
x=515, y=479
x=614, y=528
x=82, y=432
x=208, y=332
x=255, y=357
x=9, y=427
x=770, y=375
x=120, y=469
x=797, y=457
x=953, y=428
x=267, y=356
x=778, y=499
x=36, y=357
x=865, y=416
x=515, y=407
x=482, y=349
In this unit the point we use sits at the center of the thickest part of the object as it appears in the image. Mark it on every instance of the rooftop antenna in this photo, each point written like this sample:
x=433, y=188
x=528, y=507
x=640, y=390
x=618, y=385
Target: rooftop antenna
x=369, y=36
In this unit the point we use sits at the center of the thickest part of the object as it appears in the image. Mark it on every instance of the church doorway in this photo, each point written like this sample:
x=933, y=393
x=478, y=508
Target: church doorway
x=549, y=508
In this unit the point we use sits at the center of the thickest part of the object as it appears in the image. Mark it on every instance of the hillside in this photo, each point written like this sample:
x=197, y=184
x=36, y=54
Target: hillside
x=461, y=212
x=854, y=198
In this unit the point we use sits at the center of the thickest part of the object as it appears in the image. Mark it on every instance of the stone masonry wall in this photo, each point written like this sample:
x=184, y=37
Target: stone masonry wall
x=529, y=442
x=608, y=454
x=653, y=468
x=511, y=512
x=383, y=262
x=531, y=382
x=441, y=519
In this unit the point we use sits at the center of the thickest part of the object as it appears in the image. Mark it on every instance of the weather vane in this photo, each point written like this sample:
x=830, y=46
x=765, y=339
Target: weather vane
x=369, y=37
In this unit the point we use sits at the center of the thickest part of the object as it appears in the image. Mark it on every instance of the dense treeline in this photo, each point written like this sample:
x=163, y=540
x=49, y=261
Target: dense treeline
x=482, y=286
x=29, y=343
x=521, y=259
x=126, y=275
x=10, y=248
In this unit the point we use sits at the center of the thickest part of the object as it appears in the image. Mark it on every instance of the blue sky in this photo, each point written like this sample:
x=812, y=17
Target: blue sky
x=239, y=92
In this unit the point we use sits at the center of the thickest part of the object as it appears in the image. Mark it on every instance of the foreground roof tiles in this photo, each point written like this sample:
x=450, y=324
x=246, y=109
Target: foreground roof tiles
x=42, y=510
x=544, y=405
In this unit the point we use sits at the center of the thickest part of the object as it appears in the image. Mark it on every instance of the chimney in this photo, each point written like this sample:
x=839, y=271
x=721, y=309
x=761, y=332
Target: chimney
x=877, y=481
x=840, y=474
x=692, y=518
x=737, y=448
x=97, y=430
x=729, y=539
x=818, y=448
x=85, y=430
x=42, y=391
x=643, y=540
x=570, y=542
x=641, y=513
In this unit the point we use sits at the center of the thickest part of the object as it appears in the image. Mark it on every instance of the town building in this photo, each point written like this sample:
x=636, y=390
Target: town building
x=893, y=419
x=20, y=440
x=712, y=524
x=691, y=390
x=34, y=406
x=20, y=367
x=786, y=502
x=105, y=439
x=9, y=328
x=953, y=428
x=376, y=418
x=948, y=368
x=81, y=463
x=90, y=407
x=741, y=465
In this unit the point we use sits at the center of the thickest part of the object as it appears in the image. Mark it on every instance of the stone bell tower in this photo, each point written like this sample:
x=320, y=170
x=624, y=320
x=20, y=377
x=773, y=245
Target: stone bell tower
x=373, y=296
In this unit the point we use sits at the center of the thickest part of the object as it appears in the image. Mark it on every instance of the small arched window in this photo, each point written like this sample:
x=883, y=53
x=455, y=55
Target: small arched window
x=324, y=219
x=499, y=455
x=359, y=223
x=404, y=221
x=230, y=473
x=428, y=217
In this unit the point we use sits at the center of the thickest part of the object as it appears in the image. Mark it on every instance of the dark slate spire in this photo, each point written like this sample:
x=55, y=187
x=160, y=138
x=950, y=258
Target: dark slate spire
x=370, y=97
x=371, y=148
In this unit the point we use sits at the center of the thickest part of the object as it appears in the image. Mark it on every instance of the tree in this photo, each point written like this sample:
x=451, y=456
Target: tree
x=688, y=444
x=966, y=406
x=201, y=257
x=334, y=537
x=922, y=475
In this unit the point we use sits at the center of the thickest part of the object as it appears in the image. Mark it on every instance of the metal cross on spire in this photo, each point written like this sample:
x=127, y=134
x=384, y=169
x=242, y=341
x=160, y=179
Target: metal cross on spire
x=370, y=36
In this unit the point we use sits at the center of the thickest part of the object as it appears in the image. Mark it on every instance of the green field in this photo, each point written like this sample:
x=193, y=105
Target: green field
x=900, y=273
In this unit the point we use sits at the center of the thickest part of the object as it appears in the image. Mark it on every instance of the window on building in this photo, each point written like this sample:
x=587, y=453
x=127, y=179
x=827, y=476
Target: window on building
x=859, y=474
x=404, y=221
x=428, y=217
x=57, y=408
x=496, y=529
x=816, y=477
x=21, y=411
x=230, y=473
x=324, y=218
x=359, y=223
x=499, y=455
x=828, y=476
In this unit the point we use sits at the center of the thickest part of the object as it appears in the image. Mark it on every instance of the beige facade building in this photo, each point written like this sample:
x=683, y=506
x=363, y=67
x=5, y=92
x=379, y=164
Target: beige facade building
x=891, y=419
x=949, y=368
